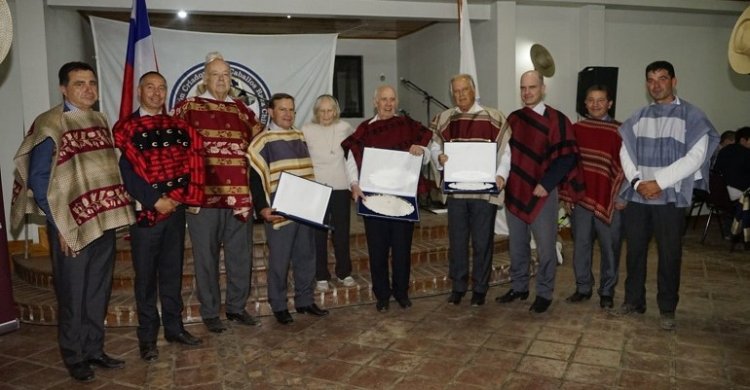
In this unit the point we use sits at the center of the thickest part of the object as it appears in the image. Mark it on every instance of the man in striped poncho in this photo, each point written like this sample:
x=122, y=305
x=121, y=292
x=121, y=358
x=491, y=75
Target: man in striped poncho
x=665, y=154
x=282, y=147
x=471, y=217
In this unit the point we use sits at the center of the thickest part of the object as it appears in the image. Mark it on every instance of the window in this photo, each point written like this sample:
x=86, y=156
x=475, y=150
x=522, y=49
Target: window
x=347, y=85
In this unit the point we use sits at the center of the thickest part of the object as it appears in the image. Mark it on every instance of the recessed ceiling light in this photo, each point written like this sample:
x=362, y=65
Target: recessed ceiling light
x=182, y=14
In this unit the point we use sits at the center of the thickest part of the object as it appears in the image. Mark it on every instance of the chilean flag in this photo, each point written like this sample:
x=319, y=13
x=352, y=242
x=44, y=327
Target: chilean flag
x=140, y=58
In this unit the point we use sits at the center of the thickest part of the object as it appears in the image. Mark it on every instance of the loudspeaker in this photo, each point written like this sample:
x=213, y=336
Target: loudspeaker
x=591, y=75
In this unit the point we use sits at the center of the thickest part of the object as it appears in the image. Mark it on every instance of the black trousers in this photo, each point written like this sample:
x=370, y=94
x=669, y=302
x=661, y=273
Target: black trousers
x=158, y=253
x=665, y=223
x=386, y=237
x=83, y=285
x=338, y=215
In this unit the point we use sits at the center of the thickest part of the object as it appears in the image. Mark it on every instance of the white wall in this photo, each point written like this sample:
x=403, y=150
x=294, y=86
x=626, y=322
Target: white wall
x=695, y=43
x=378, y=59
x=697, y=47
x=428, y=58
x=555, y=28
x=68, y=39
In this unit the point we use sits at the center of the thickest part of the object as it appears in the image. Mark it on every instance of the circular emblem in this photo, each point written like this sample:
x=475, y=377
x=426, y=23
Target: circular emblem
x=247, y=87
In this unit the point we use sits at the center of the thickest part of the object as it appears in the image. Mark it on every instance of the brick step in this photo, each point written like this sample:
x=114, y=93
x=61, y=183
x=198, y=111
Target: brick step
x=423, y=231
x=38, y=305
x=37, y=270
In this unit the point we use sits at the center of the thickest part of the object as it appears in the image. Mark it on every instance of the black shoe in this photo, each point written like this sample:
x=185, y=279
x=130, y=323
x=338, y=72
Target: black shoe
x=578, y=297
x=243, y=318
x=214, y=325
x=382, y=305
x=477, y=299
x=511, y=296
x=628, y=308
x=283, y=317
x=105, y=361
x=149, y=352
x=667, y=321
x=81, y=372
x=540, y=305
x=183, y=337
x=312, y=310
x=606, y=302
x=455, y=297
x=405, y=303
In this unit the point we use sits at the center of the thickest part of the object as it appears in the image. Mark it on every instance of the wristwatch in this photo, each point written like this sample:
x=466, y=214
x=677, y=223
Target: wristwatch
x=634, y=182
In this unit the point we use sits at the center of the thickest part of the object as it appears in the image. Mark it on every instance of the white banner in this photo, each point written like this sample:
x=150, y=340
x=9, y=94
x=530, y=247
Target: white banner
x=261, y=65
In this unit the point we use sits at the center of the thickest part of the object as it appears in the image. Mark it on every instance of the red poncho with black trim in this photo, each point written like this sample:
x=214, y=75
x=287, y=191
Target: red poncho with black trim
x=167, y=153
x=536, y=141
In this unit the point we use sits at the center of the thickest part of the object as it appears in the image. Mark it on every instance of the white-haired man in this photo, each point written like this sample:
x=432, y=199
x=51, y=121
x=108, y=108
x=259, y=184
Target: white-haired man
x=224, y=219
x=469, y=215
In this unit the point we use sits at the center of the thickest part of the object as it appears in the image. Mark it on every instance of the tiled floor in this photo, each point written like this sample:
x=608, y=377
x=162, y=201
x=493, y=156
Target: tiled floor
x=438, y=345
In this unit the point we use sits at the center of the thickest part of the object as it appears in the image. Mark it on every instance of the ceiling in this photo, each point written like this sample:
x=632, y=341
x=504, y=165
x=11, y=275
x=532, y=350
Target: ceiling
x=349, y=28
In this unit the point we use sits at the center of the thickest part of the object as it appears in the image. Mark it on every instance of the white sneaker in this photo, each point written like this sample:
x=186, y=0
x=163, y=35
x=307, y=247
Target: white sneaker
x=348, y=281
x=321, y=286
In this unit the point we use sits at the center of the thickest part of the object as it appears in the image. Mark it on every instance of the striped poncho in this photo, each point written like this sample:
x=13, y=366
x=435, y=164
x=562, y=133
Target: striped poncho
x=226, y=128
x=484, y=124
x=660, y=134
x=599, y=143
x=274, y=151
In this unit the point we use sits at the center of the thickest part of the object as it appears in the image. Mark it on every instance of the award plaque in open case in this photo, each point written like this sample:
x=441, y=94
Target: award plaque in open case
x=389, y=180
x=470, y=168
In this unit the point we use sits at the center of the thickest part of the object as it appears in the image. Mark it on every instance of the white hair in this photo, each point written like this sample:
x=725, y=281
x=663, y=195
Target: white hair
x=214, y=55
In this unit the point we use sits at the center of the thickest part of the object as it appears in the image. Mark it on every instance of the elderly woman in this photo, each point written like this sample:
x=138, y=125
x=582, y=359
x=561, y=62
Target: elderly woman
x=324, y=136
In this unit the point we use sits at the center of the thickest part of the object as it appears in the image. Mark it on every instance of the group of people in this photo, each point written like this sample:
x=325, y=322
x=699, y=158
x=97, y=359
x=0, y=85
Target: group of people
x=212, y=166
x=631, y=181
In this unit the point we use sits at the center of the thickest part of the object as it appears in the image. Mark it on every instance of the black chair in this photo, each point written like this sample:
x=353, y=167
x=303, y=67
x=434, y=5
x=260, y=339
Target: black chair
x=699, y=200
x=718, y=203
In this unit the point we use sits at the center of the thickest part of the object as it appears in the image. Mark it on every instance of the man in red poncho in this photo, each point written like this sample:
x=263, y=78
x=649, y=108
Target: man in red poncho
x=224, y=219
x=162, y=168
x=597, y=212
x=543, y=157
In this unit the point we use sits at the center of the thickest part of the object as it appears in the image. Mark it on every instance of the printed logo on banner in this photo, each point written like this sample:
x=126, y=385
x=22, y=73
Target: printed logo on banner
x=247, y=86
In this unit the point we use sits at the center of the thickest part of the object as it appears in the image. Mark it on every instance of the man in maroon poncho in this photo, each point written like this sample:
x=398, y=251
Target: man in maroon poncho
x=386, y=130
x=543, y=157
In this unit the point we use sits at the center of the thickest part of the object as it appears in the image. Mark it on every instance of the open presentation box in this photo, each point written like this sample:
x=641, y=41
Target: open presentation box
x=389, y=180
x=470, y=168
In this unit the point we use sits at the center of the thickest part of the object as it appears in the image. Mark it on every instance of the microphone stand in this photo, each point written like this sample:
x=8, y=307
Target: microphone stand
x=429, y=99
x=427, y=172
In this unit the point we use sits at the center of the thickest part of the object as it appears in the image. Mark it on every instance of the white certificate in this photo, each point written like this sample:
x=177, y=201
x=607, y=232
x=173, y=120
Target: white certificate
x=300, y=198
x=470, y=162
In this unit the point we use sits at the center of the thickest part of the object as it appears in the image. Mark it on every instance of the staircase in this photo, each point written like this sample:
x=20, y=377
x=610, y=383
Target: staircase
x=36, y=303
